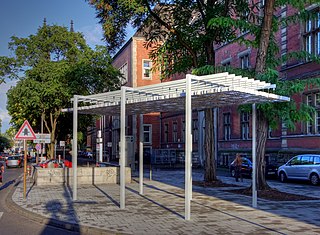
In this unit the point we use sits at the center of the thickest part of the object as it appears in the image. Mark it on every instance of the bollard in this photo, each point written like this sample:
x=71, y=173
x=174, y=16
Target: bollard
x=29, y=170
x=150, y=172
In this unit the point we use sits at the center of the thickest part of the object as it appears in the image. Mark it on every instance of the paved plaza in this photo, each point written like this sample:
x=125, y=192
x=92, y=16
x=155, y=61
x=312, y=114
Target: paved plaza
x=161, y=209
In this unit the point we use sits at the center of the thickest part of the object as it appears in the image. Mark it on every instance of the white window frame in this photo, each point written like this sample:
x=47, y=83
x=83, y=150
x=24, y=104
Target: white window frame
x=166, y=132
x=227, y=126
x=175, y=131
x=244, y=123
x=311, y=35
x=144, y=68
x=149, y=132
x=245, y=61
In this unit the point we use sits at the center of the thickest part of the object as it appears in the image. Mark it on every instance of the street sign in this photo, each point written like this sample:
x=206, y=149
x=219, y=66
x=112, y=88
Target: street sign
x=38, y=147
x=42, y=138
x=25, y=132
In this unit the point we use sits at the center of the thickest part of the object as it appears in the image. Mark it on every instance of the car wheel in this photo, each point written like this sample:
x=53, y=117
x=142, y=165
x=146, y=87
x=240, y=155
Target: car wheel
x=282, y=177
x=314, y=179
x=233, y=173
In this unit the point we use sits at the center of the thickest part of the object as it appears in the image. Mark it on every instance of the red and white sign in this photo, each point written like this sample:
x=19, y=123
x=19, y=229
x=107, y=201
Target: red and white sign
x=25, y=132
x=38, y=147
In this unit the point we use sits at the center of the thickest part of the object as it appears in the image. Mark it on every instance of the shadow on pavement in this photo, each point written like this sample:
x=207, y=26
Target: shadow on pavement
x=108, y=196
x=61, y=216
x=157, y=203
x=7, y=184
x=300, y=210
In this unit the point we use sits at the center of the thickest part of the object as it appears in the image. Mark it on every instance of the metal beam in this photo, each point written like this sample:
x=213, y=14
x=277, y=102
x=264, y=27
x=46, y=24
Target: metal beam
x=254, y=159
x=188, y=149
x=74, y=147
x=122, y=148
x=141, y=155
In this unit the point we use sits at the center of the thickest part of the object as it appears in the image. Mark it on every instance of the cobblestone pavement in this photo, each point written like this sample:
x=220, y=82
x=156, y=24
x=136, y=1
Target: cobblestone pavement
x=161, y=209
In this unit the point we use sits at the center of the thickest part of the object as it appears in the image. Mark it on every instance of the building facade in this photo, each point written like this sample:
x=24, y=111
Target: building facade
x=164, y=140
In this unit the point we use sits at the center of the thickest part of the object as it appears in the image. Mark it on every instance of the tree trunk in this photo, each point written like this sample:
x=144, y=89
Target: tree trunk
x=52, y=131
x=262, y=122
x=210, y=169
x=262, y=134
x=265, y=36
x=210, y=54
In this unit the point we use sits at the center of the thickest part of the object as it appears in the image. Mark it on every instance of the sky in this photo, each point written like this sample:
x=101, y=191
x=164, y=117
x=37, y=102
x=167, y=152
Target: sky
x=22, y=18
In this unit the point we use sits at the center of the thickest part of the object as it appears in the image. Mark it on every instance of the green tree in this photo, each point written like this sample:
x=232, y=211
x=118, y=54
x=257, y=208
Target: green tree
x=5, y=143
x=270, y=115
x=179, y=35
x=56, y=64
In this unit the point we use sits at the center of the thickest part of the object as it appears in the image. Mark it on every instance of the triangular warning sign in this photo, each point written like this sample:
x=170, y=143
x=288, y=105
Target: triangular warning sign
x=25, y=132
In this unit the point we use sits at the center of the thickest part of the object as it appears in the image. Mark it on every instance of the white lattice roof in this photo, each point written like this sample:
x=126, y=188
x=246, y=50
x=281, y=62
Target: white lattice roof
x=215, y=90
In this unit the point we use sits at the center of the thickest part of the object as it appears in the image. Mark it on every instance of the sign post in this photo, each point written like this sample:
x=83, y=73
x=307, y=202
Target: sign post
x=25, y=133
x=38, y=148
x=63, y=144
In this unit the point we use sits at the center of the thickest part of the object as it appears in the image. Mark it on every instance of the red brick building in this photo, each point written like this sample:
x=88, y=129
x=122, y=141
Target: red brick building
x=235, y=128
x=164, y=132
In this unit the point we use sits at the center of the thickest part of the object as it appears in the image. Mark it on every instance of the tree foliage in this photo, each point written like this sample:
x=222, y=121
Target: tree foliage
x=182, y=36
x=178, y=34
x=53, y=65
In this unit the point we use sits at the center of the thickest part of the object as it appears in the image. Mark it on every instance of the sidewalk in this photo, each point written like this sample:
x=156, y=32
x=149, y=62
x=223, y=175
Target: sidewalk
x=161, y=209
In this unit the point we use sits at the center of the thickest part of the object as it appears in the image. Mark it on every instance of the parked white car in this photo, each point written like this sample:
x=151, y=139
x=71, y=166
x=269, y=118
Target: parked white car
x=302, y=167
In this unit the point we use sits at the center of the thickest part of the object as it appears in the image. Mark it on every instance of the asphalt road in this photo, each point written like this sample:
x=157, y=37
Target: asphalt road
x=12, y=222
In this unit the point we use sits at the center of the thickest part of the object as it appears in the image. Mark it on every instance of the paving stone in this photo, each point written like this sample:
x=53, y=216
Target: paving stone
x=161, y=209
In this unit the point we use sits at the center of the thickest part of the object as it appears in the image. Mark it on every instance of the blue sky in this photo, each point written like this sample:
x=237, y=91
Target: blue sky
x=22, y=18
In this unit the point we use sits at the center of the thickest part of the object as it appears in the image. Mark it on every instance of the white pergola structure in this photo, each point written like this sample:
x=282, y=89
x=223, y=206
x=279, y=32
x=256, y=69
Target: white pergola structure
x=194, y=92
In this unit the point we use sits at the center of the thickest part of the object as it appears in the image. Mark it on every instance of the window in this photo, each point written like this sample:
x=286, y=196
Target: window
x=227, y=126
x=306, y=160
x=244, y=125
x=124, y=70
x=295, y=161
x=146, y=69
x=318, y=121
x=311, y=35
x=226, y=63
x=166, y=133
x=244, y=61
x=316, y=160
x=183, y=137
x=313, y=126
x=147, y=133
x=195, y=133
x=175, y=131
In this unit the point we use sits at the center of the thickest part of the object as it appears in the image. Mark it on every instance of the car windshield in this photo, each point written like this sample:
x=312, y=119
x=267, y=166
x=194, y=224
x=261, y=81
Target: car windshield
x=13, y=158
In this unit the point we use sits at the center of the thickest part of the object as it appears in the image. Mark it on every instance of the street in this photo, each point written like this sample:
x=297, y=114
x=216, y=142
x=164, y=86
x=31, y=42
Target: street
x=161, y=194
x=12, y=222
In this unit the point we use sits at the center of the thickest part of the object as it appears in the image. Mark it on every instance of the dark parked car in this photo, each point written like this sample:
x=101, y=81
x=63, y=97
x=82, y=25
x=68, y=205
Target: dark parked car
x=246, y=168
x=301, y=167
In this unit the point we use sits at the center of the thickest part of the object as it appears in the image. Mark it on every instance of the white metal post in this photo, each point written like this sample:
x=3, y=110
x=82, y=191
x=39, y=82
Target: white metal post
x=122, y=148
x=188, y=149
x=254, y=159
x=74, y=147
x=141, y=155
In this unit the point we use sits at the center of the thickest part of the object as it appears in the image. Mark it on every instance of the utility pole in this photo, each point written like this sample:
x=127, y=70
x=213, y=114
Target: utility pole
x=42, y=117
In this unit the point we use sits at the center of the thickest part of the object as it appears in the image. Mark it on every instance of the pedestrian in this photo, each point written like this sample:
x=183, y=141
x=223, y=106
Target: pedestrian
x=238, y=166
x=1, y=172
